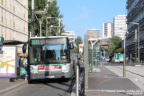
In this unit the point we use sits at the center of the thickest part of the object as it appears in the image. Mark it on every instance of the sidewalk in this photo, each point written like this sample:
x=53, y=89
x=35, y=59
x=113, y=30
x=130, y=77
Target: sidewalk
x=107, y=83
x=6, y=85
x=136, y=69
x=134, y=73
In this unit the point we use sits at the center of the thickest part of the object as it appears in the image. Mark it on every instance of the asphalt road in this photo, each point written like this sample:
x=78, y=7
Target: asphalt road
x=42, y=88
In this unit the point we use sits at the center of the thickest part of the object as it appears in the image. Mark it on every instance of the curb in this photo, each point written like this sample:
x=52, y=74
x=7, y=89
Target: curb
x=132, y=72
x=73, y=93
x=12, y=87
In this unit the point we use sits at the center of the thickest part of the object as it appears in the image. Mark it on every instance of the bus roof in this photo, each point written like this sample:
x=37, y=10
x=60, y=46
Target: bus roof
x=49, y=37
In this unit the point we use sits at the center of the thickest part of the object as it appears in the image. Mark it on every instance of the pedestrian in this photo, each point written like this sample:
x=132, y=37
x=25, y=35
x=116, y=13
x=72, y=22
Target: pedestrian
x=25, y=63
x=18, y=66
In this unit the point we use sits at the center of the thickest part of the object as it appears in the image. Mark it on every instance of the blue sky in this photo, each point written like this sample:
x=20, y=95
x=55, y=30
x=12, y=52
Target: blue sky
x=80, y=15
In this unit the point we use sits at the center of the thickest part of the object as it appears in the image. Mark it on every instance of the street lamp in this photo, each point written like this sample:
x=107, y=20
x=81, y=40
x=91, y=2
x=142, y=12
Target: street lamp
x=37, y=12
x=52, y=26
x=41, y=19
x=137, y=37
x=124, y=53
x=33, y=33
x=59, y=25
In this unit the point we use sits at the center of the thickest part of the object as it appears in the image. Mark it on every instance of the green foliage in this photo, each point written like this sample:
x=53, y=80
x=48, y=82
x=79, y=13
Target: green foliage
x=52, y=11
x=119, y=50
x=78, y=41
x=111, y=48
x=114, y=45
x=116, y=41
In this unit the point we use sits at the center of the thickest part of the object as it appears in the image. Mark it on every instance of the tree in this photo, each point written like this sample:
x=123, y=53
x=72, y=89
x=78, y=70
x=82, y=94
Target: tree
x=78, y=41
x=53, y=11
x=115, y=45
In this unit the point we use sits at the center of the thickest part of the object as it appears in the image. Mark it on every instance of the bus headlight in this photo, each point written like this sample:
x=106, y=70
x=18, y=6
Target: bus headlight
x=66, y=68
x=33, y=69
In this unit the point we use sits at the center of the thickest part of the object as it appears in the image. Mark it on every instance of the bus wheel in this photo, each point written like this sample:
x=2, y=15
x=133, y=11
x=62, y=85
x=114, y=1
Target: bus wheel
x=30, y=81
x=66, y=79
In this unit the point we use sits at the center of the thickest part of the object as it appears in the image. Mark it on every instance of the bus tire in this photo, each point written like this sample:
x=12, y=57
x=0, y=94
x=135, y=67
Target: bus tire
x=67, y=79
x=30, y=81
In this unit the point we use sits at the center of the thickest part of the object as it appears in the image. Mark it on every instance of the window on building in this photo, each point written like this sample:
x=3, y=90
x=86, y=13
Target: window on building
x=2, y=2
x=1, y=15
x=5, y=3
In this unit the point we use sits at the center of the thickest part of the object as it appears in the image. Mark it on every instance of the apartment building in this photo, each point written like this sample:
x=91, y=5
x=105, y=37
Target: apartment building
x=14, y=20
x=120, y=26
x=107, y=30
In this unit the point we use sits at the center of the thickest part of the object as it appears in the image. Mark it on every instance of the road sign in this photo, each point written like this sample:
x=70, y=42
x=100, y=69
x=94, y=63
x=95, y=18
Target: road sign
x=104, y=46
x=81, y=48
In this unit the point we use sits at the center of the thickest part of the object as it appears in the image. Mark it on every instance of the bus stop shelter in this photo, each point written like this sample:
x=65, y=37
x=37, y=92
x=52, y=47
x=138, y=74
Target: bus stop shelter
x=91, y=57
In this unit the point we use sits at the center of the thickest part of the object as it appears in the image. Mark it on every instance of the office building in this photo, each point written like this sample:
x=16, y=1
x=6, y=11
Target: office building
x=135, y=20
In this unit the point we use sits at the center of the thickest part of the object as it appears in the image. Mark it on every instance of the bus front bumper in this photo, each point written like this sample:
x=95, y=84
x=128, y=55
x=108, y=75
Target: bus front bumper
x=51, y=75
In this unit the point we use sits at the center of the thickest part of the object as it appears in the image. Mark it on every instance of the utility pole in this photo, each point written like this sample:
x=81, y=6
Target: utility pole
x=124, y=54
x=40, y=22
x=59, y=26
x=138, y=37
x=77, y=78
x=33, y=32
x=136, y=46
x=124, y=64
x=46, y=27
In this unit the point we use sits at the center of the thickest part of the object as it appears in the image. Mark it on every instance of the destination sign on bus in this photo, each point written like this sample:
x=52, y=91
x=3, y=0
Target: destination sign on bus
x=48, y=41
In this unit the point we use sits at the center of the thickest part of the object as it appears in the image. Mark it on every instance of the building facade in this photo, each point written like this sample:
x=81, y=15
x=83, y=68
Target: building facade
x=14, y=20
x=135, y=38
x=70, y=34
x=120, y=26
x=93, y=33
x=107, y=30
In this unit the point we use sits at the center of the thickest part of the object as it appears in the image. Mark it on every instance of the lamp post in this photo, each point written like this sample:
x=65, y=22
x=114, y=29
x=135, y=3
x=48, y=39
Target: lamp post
x=137, y=41
x=52, y=26
x=40, y=13
x=46, y=19
x=33, y=33
x=124, y=53
x=124, y=64
x=41, y=19
x=59, y=24
x=40, y=22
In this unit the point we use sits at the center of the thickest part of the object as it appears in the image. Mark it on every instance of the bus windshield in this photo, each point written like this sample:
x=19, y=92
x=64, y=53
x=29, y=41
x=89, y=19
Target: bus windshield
x=49, y=53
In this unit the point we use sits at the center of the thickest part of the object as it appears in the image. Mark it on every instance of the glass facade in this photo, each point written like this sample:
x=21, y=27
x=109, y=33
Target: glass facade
x=93, y=57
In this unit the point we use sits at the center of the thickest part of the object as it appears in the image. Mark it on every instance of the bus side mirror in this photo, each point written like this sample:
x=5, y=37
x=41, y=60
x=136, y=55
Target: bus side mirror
x=24, y=48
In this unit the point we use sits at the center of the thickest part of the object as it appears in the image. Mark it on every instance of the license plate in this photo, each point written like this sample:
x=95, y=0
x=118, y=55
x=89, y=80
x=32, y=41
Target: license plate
x=50, y=76
x=50, y=67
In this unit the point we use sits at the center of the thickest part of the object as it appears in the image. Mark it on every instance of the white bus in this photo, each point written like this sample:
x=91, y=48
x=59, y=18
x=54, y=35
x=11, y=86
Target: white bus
x=49, y=57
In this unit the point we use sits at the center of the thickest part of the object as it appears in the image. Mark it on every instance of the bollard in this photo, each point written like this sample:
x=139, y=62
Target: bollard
x=77, y=79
